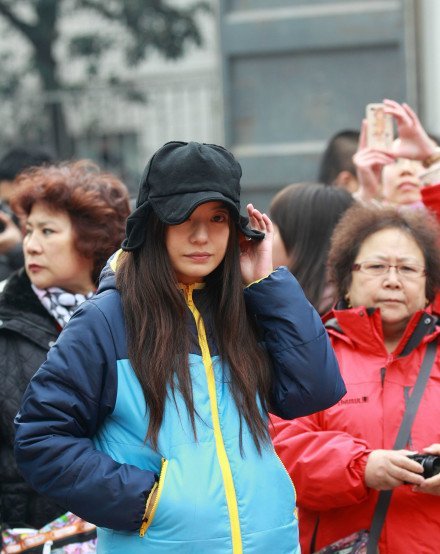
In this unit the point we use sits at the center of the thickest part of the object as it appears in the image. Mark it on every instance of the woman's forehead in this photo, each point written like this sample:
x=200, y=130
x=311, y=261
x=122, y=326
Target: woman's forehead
x=391, y=242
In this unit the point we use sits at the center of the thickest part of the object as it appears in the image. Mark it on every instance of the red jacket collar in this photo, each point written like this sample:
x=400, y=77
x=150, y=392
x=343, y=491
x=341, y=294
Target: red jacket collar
x=363, y=327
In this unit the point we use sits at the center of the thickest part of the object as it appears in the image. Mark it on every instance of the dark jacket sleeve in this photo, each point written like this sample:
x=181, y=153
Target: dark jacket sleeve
x=306, y=376
x=64, y=405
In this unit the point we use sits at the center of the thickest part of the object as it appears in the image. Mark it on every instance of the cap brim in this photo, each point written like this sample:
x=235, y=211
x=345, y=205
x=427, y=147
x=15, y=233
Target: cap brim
x=175, y=209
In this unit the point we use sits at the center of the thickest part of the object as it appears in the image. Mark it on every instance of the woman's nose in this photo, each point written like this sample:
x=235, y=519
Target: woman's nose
x=32, y=244
x=199, y=232
x=392, y=278
x=407, y=166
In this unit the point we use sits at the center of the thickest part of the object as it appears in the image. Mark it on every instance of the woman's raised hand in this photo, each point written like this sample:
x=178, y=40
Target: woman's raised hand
x=413, y=141
x=256, y=255
x=369, y=163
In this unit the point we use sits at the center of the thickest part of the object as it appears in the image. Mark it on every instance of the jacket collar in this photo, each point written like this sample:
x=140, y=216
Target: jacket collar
x=363, y=327
x=20, y=306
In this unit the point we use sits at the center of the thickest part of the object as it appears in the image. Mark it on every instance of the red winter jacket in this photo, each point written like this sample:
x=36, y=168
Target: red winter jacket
x=326, y=453
x=431, y=199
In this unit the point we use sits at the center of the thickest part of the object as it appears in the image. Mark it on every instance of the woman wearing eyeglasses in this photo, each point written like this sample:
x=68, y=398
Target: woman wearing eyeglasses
x=386, y=267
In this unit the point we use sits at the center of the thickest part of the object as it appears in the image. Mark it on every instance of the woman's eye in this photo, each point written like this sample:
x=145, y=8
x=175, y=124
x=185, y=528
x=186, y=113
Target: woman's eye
x=407, y=269
x=219, y=218
x=376, y=267
x=47, y=231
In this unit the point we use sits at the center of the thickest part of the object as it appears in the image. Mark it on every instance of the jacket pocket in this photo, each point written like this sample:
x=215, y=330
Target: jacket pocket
x=163, y=471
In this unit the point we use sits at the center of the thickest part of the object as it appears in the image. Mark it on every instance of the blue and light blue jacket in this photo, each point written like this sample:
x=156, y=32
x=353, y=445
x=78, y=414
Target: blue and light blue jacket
x=81, y=430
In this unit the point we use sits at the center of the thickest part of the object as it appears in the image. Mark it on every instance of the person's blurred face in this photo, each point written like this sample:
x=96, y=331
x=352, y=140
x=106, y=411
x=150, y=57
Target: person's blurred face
x=397, y=297
x=279, y=254
x=197, y=246
x=51, y=258
x=6, y=190
x=401, y=181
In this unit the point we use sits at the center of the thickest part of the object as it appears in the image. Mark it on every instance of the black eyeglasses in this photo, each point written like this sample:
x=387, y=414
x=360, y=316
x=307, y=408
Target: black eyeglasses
x=375, y=269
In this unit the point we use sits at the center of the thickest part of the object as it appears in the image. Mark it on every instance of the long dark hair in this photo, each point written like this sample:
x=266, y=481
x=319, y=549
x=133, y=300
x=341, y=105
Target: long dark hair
x=306, y=214
x=156, y=317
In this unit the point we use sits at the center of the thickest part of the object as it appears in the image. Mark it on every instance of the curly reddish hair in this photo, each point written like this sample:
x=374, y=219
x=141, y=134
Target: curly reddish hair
x=97, y=204
x=360, y=222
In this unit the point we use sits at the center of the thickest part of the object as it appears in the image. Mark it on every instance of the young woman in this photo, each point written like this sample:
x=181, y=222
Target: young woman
x=149, y=417
x=304, y=216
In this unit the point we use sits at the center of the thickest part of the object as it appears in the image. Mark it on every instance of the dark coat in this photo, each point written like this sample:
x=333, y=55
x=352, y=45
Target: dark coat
x=26, y=333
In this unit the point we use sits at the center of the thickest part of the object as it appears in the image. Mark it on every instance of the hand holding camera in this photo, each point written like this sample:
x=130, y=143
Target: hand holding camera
x=387, y=469
x=430, y=461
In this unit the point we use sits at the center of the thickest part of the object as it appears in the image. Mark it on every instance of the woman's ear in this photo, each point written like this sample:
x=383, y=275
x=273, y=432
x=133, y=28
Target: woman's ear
x=347, y=181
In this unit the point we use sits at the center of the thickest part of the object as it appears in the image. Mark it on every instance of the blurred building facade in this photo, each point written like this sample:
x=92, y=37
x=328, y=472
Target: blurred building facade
x=297, y=72
x=273, y=81
x=120, y=125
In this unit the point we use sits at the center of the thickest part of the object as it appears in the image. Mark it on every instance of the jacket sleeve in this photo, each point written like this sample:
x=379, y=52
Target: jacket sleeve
x=63, y=406
x=327, y=467
x=431, y=198
x=306, y=375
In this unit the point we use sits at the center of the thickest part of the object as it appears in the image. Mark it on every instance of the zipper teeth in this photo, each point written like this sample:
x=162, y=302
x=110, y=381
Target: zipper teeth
x=295, y=511
x=163, y=470
x=225, y=467
x=286, y=472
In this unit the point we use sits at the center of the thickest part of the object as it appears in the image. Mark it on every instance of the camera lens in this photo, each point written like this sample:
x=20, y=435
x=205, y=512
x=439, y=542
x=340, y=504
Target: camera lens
x=431, y=466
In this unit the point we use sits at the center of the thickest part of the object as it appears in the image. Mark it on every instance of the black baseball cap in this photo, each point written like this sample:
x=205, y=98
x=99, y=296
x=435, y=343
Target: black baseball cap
x=179, y=177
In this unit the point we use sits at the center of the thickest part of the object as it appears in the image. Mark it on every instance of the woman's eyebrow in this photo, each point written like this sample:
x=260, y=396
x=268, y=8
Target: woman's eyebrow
x=398, y=258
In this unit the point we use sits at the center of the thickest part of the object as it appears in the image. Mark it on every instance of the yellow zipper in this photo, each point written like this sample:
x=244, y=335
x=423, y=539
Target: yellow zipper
x=225, y=468
x=295, y=511
x=159, y=486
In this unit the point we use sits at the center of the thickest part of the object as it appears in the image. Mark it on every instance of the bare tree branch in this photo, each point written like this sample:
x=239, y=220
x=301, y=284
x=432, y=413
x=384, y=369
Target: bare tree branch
x=99, y=7
x=18, y=23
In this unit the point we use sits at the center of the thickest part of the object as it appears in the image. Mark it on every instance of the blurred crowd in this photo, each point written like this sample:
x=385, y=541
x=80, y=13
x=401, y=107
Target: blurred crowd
x=363, y=242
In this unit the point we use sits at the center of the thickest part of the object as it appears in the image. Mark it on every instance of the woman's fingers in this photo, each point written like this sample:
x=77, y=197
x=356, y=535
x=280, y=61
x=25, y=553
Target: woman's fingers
x=259, y=221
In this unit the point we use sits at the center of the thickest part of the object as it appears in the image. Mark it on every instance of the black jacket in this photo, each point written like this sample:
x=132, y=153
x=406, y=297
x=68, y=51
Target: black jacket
x=26, y=333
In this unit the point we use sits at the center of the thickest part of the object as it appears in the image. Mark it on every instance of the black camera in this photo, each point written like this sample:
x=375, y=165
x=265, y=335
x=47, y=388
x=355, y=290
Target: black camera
x=430, y=464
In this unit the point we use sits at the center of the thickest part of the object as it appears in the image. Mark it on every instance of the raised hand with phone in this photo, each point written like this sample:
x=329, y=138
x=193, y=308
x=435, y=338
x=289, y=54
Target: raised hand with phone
x=389, y=171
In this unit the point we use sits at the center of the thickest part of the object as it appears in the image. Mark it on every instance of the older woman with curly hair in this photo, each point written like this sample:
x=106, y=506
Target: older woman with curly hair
x=74, y=219
x=385, y=265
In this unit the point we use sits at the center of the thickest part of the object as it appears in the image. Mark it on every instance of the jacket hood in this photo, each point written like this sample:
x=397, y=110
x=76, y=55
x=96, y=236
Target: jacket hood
x=107, y=277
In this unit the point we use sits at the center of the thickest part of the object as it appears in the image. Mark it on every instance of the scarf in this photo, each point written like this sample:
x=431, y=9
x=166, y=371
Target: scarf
x=60, y=303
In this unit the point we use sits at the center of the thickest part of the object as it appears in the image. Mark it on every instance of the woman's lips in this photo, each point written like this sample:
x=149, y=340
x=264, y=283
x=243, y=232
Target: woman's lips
x=408, y=185
x=34, y=267
x=199, y=256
